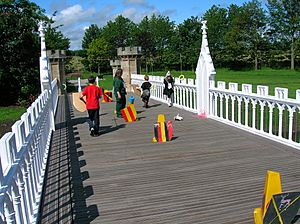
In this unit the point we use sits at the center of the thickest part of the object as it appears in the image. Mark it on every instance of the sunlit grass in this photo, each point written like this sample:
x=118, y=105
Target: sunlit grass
x=268, y=77
x=11, y=113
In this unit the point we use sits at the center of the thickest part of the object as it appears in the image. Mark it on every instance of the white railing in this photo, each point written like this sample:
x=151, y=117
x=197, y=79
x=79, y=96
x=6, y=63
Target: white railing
x=184, y=91
x=23, y=159
x=275, y=117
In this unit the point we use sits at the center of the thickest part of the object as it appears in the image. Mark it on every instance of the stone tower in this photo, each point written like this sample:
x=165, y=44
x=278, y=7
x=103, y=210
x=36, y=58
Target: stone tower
x=130, y=63
x=57, y=66
x=115, y=64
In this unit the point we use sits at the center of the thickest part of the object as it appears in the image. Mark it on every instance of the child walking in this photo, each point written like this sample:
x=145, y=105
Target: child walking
x=169, y=88
x=146, y=91
x=92, y=93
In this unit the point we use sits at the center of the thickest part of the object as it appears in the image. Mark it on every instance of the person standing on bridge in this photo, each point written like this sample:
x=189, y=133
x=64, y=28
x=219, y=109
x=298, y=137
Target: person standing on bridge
x=146, y=91
x=92, y=93
x=169, y=88
x=119, y=92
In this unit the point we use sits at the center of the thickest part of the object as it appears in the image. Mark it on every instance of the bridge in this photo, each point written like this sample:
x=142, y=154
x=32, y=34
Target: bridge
x=209, y=173
x=213, y=171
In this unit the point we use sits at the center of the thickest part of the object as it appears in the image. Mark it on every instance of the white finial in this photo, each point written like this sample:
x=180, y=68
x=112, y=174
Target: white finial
x=204, y=27
x=41, y=29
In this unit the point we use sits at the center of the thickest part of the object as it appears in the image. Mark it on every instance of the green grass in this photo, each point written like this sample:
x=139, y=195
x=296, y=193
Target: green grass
x=268, y=77
x=11, y=113
x=106, y=82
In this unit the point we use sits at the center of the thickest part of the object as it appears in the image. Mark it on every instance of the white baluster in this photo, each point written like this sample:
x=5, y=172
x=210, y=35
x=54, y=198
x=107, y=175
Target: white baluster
x=17, y=203
x=291, y=117
x=239, y=109
x=211, y=99
x=246, y=100
x=216, y=104
x=262, y=107
x=184, y=96
x=281, y=109
x=24, y=204
x=232, y=97
x=221, y=106
x=9, y=209
x=226, y=100
x=79, y=85
x=254, y=102
x=271, y=108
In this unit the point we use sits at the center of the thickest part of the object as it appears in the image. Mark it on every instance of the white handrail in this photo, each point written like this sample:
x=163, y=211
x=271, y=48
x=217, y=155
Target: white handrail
x=23, y=159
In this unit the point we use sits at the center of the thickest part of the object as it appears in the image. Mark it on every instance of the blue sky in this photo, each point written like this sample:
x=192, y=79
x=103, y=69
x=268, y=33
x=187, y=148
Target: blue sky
x=77, y=15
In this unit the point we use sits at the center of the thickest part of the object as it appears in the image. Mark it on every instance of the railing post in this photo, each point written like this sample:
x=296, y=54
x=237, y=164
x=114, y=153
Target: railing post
x=79, y=85
x=204, y=71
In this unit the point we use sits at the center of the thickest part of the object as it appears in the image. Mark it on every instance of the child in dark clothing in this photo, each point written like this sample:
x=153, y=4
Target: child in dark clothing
x=146, y=91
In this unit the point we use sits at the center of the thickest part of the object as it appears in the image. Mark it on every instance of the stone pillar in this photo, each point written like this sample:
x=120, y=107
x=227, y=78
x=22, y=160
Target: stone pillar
x=57, y=66
x=115, y=64
x=130, y=63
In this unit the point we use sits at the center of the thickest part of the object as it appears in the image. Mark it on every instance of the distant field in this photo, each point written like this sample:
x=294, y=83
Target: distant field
x=269, y=77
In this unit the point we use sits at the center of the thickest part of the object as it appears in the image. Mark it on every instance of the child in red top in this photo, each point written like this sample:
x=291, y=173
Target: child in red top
x=92, y=93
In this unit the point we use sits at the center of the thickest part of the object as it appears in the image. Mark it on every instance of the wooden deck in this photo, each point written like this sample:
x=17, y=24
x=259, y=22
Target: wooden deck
x=209, y=173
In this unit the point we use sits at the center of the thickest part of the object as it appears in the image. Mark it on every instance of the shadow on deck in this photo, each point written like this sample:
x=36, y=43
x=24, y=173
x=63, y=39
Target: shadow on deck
x=209, y=173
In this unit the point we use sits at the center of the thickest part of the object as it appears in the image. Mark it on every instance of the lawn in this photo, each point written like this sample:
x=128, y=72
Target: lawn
x=8, y=115
x=268, y=77
x=105, y=81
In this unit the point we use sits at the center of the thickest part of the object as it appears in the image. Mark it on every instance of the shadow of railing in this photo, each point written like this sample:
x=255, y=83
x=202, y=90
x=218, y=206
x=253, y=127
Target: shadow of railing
x=64, y=195
x=82, y=213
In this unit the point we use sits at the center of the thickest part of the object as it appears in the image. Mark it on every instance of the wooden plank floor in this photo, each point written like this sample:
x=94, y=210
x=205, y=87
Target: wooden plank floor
x=209, y=173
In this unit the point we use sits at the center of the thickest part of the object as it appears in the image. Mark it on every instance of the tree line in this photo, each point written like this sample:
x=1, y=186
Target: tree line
x=250, y=36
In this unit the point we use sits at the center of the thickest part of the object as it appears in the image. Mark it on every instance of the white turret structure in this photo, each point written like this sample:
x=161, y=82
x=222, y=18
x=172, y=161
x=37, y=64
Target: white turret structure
x=205, y=71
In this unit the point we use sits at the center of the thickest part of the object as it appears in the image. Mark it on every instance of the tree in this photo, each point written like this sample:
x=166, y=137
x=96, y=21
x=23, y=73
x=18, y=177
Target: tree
x=118, y=33
x=244, y=37
x=160, y=32
x=55, y=40
x=90, y=34
x=19, y=55
x=142, y=36
x=98, y=53
x=284, y=23
x=75, y=64
x=189, y=42
x=254, y=29
x=217, y=23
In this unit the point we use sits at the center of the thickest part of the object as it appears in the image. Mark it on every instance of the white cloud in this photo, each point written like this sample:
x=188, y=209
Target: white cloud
x=135, y=2
x=75, y=19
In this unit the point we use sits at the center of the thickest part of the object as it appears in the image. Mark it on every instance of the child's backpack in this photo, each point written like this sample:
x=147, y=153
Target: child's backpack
x=146, y=93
